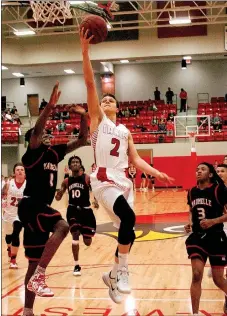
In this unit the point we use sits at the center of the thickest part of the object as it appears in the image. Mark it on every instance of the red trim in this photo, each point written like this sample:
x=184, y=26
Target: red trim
x=74, y=225
x=86, y=235
x=32, y=259
x=196, y=255
x=38, y=160
x=40, y=246
x=102, y=176
x=54, y=153
x=216, y=194
x=195, y=246
x=19, y=184
x=88, y=227
x=45, y=215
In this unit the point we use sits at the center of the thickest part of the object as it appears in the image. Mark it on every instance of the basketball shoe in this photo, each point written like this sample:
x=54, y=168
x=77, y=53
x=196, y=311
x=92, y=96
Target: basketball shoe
x=13, y=264
x=77, y=270
x=112, y=285
x=122, y=281
x=37, y=285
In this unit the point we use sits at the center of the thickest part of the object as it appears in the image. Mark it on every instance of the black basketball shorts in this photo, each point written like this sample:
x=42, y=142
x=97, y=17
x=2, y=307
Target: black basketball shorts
x=82, y=220
x=38, y=220
x=208, y=245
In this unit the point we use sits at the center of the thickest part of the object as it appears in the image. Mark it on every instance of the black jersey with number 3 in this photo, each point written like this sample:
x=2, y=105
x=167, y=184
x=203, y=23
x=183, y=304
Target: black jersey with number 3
x=207, y=203
x=78, y=188
x=41, y=168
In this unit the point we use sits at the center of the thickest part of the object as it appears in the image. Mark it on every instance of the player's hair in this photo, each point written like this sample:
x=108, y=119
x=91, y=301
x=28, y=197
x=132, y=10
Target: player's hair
x=82, y=167
x=28, y=134
x=222, y=165
x=18, y=164
x=112, y=96
x=215, y=178
x=74, y=157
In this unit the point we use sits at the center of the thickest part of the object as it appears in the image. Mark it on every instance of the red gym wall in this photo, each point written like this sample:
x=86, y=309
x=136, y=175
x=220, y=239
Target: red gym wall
x=176, y=167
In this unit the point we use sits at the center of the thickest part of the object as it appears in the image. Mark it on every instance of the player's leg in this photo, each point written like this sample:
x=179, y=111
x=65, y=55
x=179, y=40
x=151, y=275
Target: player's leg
x=8, y=229
x=8, y=239
x=196, y=290
x=88, y=229
x=29, y=296
x=17, y=227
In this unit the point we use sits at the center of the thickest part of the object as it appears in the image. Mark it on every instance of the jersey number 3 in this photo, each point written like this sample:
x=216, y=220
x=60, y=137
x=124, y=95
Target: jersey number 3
x=201, y=212
x=114, y=152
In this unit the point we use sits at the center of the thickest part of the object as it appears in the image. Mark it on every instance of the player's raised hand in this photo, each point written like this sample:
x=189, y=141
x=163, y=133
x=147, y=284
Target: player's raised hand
x=188, y=228
x=163, y=177
x=55, y=95
x=85, y=39
x=77, y=109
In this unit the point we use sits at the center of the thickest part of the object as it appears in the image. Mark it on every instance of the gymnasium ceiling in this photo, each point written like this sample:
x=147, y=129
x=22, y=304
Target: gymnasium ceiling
x=150, y=16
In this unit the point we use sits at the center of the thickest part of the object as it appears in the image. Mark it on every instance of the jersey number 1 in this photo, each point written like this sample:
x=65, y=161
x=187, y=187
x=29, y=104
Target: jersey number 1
x=114, y=152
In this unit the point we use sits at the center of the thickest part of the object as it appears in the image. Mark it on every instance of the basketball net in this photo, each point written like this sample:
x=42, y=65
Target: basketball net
x=191, y=136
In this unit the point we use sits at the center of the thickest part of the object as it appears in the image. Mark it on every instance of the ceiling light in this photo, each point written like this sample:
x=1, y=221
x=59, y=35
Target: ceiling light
x=17, y=74
x=4, y=67
x=183, y=64
x=187, y=57
x=177, y=21
x=24, y=33
x=124, y=61
x=69, y=71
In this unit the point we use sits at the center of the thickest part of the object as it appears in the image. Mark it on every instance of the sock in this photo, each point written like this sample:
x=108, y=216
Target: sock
x=28, y=312
x=13, y=258
x=113, y=273
x=123, y=260
x=40, y=270
x=76, y=263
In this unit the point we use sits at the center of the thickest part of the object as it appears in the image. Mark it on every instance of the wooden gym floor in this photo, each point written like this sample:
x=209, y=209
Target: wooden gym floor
x=160, y=273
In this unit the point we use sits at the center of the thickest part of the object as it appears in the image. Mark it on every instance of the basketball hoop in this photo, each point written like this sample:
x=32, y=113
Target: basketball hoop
x=191, y=136
x=51, y=10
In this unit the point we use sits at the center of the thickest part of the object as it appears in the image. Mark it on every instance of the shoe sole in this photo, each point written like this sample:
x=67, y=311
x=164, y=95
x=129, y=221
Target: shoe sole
x=45, y=295
x=76, y=273
x=124, y=291
x=13, y=268
x=110, y=292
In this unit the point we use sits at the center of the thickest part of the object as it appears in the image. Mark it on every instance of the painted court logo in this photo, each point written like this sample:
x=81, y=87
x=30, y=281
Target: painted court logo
x=152, y=227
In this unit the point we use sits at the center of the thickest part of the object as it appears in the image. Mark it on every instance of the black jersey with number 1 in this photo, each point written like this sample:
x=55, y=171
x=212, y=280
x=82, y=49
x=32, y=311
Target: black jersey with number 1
x=41, y=168
x=207, y=203
x=78, y=188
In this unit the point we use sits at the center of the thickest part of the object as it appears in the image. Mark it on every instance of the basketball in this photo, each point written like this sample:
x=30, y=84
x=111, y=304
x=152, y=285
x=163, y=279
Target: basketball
x=97, y=26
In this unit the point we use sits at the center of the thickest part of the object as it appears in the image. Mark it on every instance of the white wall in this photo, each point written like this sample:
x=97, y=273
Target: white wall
x=35, y=50
x=138, y=82
x=72, y=87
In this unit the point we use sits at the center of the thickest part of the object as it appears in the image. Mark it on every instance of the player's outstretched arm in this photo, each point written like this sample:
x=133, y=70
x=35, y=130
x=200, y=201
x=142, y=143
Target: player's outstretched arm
x=61, y=192
x=94, y=108
x=83, y=134
x=139, y=163
x=5, y=191
x=36, y=136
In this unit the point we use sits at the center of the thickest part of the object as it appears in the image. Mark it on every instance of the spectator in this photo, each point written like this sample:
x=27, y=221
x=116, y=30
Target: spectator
x=16, y=117
x=61, y=127
x=8, y=116
x=171, y=116
x=225, y=160
x=215, y=164
x=203, y=120
x=157, y=94
x=216, y=122
x=56, y=115
x=14, y=109
x=65, y=115
x=42, y=105
x=169, y=128
x=169, y=96
x=183, y=96
x=127, y=114
x=134, y=111
x=162, y=124
x=120, y=114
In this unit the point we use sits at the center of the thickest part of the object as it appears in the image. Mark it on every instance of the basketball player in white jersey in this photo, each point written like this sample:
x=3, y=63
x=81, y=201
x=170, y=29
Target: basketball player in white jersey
x=113, y=148
x=13, y=193
x=222, y=172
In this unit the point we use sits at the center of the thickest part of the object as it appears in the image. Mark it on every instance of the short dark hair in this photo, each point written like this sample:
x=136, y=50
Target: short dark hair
x=18, y=164
x=112, y=96
x=215, y=178
x=222, y=165
x=82, y=167
x=74, y=157
x=28, y=134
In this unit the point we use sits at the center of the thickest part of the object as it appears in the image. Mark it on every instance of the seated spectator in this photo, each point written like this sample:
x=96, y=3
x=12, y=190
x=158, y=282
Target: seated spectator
x=162, y=123
x=61, y=127
x=169, y=128
x=154, y=120
x=120, y=114
x=171, y=116
x=8, y=116
x=143, y=128
x=14, y=109
x=65, y=115
x=56, y=115
x=127, y=114
x=16, y=117
x=134, y=111
x=216, y=122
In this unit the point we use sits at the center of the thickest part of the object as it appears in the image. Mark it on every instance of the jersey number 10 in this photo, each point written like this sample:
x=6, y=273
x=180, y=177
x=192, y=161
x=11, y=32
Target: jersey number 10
x=75, y=194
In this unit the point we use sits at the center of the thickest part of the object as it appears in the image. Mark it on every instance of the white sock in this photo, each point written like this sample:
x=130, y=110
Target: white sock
x=113, y=273
x=40, y=270
x=76, y=263
x=123, y=260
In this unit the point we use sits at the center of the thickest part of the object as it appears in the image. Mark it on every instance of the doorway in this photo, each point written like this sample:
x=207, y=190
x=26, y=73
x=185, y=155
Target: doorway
x=33, y=104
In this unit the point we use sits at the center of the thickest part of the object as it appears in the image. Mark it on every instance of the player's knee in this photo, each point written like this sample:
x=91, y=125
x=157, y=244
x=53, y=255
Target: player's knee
x=62, y=227
x=8, y=239
x=75, y=235
x=197, y=276
x=17, y=227
x=87, y=241
x=218, y=280
x=16, y=241
x=124, y=212
x=126, y=236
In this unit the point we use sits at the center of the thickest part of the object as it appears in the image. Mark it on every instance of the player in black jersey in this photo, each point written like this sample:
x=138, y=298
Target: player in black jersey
x=207, y=203
x=79, y=213
x=38, y=218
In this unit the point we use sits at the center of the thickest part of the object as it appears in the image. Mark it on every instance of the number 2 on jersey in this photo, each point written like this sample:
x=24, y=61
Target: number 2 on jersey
x=201, y=212
x=114, y=152
x=14, y=201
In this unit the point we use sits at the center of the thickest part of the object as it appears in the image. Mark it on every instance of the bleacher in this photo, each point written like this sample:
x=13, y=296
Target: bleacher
x=10, y=133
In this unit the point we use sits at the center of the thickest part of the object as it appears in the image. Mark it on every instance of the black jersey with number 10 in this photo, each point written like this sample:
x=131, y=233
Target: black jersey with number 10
x=78, y=189
x=41, y=168
x=207, y=203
